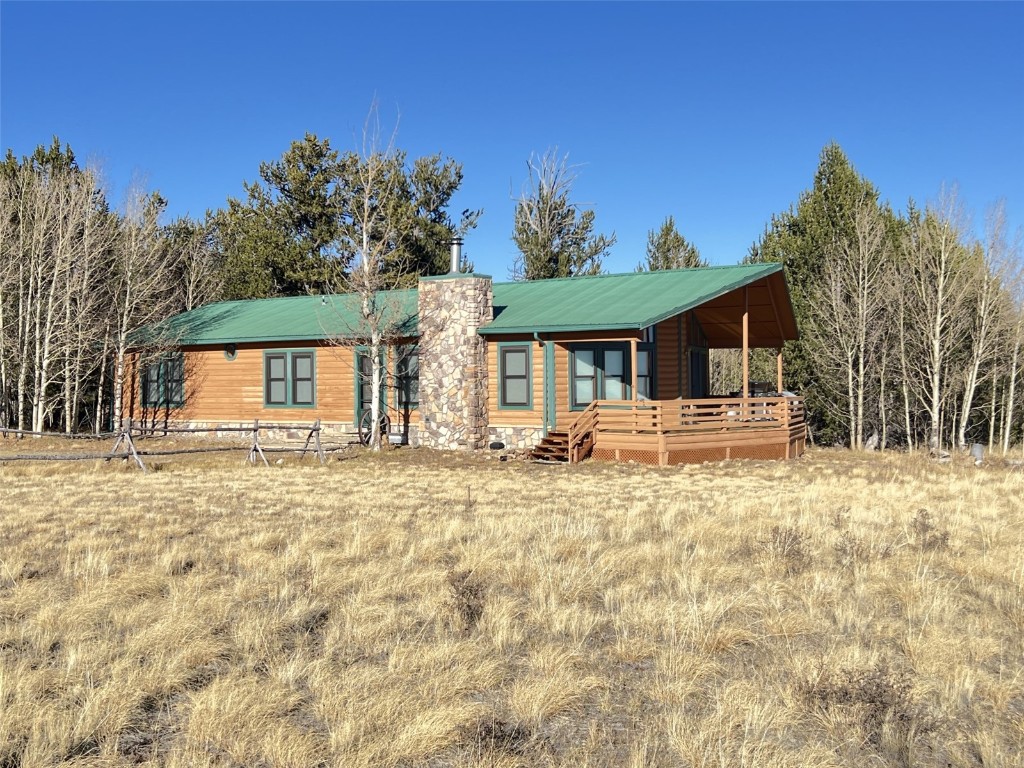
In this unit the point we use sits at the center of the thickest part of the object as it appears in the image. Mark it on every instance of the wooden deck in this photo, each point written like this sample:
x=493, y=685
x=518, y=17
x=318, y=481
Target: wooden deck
x=668, y=432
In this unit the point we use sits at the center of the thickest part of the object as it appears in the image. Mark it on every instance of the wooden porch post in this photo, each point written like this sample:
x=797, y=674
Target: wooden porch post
x=746, y=344
x=632, y=354
x=778, y=363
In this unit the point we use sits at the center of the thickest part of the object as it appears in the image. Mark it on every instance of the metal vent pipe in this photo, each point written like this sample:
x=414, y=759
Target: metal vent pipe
x=456, y=244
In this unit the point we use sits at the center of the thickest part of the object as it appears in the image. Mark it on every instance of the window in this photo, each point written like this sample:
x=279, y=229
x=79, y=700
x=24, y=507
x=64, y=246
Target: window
x=289, y=379
x=163, y=382
x=407, y=373
x=602, y=372
x=514, y=376
x=644, y=357
x=598, y=372
x=584, y=379
x=645, y=364
x=615, y=384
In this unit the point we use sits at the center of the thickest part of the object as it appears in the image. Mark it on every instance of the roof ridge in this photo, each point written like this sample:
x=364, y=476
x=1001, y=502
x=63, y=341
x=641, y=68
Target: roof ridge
x=749, y=264
x=295, y=298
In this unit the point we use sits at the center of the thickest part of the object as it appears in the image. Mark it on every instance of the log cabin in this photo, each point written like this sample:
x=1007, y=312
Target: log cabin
x=609, y=366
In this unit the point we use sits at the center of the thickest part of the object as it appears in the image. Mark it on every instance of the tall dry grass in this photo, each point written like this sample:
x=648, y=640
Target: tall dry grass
x=422, y=609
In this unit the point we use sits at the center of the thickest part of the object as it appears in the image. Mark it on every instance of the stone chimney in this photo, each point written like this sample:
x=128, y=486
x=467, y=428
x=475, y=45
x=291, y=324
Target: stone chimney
x=453, y=358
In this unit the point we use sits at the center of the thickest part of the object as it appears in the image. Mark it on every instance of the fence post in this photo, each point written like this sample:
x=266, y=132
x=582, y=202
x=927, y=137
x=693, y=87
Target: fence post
x=256, y=450
x=319, y=448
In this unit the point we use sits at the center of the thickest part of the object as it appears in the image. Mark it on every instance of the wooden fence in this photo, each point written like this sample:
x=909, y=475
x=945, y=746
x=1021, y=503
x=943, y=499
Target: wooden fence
x=125, y=446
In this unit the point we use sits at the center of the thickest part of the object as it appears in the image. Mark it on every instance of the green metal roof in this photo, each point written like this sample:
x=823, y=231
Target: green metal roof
x=601, y=302
x=613, y=302
x=293, y=318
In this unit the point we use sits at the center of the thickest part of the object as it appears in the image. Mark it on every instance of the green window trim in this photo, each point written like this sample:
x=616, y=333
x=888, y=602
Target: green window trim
x=289, y=378
x=508, y=352
x=163, y=382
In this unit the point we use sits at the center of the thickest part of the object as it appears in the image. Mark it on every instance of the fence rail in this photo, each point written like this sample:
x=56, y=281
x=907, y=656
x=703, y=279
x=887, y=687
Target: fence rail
x=125, y=448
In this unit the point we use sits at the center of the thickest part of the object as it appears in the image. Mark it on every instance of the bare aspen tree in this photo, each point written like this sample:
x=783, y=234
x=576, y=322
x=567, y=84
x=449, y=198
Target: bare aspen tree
x=987, y=272
x=85, y=310
x=72, y=201
x=9, y=260
x=201, y=281
x=725, y=370
x=937, y=281
x=141, y=286
x=372, y=233
x=905, y=345
x=848, y=307
x=1015, y=291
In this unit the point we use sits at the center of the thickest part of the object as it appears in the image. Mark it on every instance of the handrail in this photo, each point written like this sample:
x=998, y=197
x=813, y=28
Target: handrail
x=580, y=430
x=688, y=416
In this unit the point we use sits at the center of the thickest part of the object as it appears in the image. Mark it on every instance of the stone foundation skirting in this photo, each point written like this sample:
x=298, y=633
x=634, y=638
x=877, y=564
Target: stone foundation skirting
x=520, y=438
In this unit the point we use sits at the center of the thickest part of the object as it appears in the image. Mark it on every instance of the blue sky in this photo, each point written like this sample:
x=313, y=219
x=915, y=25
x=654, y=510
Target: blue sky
x=713, y=113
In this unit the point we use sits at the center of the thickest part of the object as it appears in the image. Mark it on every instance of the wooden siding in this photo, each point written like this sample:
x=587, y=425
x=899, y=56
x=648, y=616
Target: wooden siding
x=515, y=417
x=222, y=390
x=672, y=370
x=563, y=415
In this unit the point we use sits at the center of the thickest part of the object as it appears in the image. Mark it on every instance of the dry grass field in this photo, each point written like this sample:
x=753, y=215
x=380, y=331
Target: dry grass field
x=423, y=609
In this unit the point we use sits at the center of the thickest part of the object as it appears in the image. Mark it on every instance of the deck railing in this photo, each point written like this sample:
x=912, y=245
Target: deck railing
x=667, y=425
x=581, y=433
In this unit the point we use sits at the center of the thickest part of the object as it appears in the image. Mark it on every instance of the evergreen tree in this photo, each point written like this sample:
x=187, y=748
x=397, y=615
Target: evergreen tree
x=823, y=219
x=291, y=234
x=554, y=237
x=667, y=249
x=278, y=241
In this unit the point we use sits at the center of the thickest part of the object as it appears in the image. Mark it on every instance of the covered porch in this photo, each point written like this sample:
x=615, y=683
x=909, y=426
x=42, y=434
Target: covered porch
x=668, y=423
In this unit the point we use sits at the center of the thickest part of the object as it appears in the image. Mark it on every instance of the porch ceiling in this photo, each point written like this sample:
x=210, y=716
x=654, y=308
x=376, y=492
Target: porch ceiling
x=770, y=322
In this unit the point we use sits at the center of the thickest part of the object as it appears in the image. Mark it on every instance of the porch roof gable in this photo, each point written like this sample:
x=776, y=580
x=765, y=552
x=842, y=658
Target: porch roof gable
x=634, y=301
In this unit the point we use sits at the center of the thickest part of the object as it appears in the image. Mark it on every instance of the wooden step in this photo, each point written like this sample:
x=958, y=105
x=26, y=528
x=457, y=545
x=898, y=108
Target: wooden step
x=553, y=449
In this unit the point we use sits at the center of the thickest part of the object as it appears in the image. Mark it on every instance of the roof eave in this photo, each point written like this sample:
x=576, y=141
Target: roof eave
x=520, y=329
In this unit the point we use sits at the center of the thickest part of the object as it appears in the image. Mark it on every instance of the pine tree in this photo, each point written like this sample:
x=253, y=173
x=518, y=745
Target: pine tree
x=667, y=249
x=554, y=237
x=822, y=221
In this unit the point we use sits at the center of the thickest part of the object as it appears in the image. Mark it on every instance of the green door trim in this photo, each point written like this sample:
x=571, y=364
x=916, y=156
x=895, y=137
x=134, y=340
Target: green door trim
x=550, y=414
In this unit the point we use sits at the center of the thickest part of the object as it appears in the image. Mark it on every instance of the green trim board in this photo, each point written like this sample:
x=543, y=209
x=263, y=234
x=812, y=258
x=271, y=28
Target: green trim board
x=291, y=376
x=505, y=347
x=550, y=396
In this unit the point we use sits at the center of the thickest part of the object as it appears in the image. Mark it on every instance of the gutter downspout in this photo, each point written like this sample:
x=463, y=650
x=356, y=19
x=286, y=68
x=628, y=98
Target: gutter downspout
x=544, y=382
